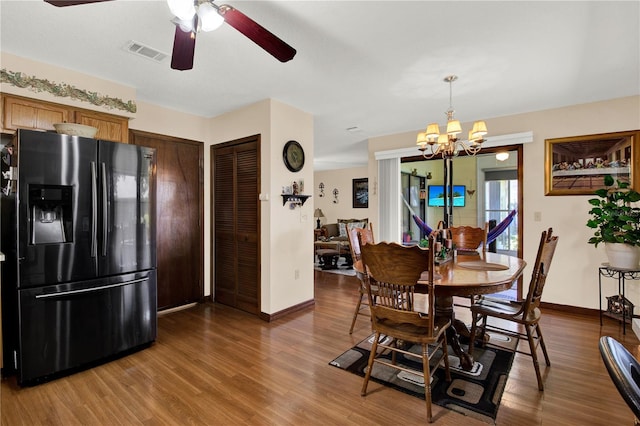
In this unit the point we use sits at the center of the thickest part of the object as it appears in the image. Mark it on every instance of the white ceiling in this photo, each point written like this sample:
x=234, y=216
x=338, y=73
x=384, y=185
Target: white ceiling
x=377, y=65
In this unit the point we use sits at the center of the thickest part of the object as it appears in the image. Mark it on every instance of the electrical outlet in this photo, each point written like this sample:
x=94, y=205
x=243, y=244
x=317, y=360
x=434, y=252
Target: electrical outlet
x=296, y=274
x=537, y=216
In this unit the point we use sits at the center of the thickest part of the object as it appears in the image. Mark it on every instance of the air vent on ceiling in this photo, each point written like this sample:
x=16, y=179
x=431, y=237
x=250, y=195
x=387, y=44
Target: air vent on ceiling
x=145, y=51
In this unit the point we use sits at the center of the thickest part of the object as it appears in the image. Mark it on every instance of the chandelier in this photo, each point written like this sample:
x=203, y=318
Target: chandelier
x=432, y=143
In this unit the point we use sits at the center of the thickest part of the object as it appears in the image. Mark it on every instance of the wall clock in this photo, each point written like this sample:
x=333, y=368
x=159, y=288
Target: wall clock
x=293, y=156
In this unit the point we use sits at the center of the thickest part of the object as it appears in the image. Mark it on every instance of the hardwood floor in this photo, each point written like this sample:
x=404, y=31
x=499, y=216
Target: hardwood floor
x=213, y=365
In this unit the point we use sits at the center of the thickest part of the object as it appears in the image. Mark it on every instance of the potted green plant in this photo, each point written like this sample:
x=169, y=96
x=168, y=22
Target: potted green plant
x=616, y=221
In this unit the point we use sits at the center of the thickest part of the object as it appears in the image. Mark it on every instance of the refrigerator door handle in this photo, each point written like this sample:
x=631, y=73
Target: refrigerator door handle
x=104, y=208
x=89, y=290
x=94, y=210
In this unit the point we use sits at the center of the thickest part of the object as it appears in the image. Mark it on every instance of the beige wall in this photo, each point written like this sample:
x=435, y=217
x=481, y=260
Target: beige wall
x=154, y=119
x=287, y=234
x=341, y=180
x=287, y=249
x=573, y=279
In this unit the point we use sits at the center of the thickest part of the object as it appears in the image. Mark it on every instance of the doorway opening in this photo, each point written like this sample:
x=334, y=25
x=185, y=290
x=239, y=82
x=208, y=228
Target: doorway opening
x=501, y=197
x=492, y=188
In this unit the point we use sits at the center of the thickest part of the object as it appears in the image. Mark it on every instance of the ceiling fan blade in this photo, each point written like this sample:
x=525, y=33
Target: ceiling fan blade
x=184, y=46
x=72, y=3
x=257, y=33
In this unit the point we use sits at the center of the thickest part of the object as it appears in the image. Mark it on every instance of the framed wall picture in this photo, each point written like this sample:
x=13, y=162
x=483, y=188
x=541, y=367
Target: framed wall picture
x=360, y=193
x=577, y=165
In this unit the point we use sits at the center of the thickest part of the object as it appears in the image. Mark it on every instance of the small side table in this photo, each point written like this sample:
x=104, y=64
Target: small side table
x=621, y=275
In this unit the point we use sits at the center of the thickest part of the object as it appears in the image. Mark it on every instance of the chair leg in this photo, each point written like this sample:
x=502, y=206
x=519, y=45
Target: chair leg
x=372, y=356
x=427, y=380
x=542, y=345
x=357, y=311
x=394, y=357
x=483, y=331
x=445, y=352
x=534, y=355
x=473, y=331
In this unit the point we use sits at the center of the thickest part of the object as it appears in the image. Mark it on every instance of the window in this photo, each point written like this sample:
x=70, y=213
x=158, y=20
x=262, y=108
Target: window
x=501, y=196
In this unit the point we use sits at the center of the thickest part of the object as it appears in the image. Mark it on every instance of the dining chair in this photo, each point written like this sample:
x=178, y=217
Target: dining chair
x=525, y=314
x=624, y=370
x=394, y=270
x=469, y=238
x=358, y=237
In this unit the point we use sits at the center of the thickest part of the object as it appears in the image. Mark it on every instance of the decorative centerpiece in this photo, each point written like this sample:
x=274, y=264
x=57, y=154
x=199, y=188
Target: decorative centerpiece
x=617, y=223
x=443, y=246
x=74, y=129
x=443, y=256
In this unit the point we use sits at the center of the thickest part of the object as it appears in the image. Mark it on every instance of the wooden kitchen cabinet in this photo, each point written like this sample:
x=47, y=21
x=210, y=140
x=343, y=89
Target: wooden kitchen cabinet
x=24, y=113
x=110, y=127
x=19, y=112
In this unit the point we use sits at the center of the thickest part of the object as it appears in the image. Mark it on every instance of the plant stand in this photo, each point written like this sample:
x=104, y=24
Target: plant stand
x=618, y=306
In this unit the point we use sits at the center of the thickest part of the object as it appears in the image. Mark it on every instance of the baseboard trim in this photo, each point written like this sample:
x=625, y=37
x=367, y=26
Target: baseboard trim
x=177, y=308
x=295, y=308
x=570, y=309
x=310, y=303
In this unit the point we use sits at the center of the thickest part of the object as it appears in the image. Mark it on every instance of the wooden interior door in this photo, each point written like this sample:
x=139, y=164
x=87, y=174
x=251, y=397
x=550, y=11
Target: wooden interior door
x=236, y=219
x=180, y=213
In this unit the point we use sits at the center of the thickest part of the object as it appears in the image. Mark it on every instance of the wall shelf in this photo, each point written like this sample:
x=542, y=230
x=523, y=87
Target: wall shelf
x=297, y=199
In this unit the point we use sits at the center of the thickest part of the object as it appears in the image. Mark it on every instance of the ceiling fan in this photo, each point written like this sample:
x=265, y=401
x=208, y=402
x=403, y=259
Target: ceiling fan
x=193, y=16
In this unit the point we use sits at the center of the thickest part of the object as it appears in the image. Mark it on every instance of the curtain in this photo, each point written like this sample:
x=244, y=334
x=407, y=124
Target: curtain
x=389, y=204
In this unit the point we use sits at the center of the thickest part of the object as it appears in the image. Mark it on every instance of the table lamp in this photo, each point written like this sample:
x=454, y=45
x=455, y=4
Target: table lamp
x=318, y=214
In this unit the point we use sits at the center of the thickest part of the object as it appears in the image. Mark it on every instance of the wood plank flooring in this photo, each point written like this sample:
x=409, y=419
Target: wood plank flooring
x=213, y=365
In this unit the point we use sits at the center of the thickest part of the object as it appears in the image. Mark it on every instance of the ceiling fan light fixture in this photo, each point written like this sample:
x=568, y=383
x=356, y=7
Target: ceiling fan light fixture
x=186, y=25
x=209, y=18
x=182, y=9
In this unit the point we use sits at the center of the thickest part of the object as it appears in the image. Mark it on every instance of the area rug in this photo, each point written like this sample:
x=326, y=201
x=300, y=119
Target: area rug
x=475, y=394
x=340, y=271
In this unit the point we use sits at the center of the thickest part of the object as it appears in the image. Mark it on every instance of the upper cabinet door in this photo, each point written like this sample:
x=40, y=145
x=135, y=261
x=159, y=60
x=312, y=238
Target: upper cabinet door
x=110, y=127
x=27, y=114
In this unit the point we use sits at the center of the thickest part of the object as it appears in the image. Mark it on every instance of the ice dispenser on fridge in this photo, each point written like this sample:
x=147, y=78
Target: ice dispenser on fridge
x=50, y=211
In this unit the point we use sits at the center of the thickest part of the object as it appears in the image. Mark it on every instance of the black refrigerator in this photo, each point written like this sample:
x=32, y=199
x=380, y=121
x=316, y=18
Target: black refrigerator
x=78, y=234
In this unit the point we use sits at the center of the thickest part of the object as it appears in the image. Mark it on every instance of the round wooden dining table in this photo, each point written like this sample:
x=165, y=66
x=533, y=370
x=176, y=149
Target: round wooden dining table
x=467, y=275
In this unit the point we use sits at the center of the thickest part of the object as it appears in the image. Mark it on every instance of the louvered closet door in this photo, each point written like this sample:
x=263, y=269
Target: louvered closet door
x=236, y=221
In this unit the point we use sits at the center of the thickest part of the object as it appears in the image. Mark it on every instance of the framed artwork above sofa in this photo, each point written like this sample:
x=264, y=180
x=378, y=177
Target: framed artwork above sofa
x=361, y=193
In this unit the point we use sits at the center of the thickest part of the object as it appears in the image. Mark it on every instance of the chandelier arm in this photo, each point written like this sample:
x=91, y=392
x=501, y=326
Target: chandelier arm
x=431, y=155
